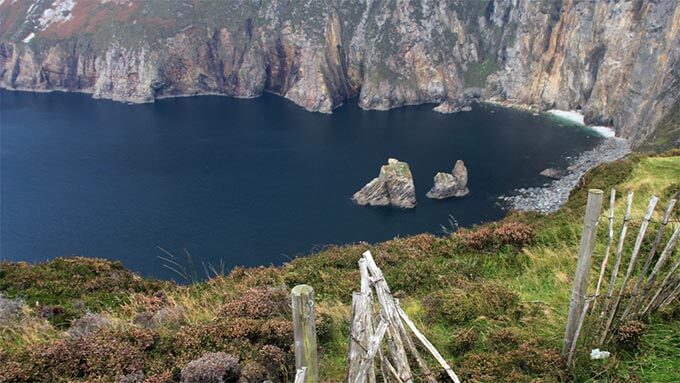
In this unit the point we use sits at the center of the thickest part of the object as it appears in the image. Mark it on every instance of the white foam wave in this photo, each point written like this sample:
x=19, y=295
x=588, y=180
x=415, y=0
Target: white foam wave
x=604, y=131
x=571, y=115
x=577, y=117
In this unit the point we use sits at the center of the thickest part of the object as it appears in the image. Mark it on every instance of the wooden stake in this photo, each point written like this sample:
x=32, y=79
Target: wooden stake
x=428, y=345
x=633, y=259
x=663, y=258
x=585, y=258
x=304, y=329
x=633, y=303
x=648, y=309
x=300, y=375
x=617, y=260
x=607, y=252
x=582, y=318
x=368, y=313
x=358, y=341
x=674, y=293
x=385, y=298
x=373, y=348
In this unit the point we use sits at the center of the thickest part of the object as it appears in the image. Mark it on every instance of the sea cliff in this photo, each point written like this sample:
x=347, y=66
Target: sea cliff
x=617, y=61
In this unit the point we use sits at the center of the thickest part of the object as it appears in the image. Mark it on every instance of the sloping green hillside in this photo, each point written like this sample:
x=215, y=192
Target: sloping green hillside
x=493, y=299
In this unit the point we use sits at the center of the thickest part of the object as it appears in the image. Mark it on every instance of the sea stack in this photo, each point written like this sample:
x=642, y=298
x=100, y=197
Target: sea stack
x=393, y=186
x=452, y=184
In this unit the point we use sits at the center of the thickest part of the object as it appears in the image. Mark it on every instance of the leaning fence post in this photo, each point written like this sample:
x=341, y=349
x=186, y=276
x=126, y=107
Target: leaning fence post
x=585, y=260
x=304, y=328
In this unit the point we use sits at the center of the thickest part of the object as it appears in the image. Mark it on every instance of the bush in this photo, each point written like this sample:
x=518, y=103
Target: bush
x=257, y=303
x=533, y=359
x=460, y=305
x=254, y=372
x=491, y=238
x=102, y=353
x=505, y=338
x=464, y=341
x=213, y=367
x=628, y=334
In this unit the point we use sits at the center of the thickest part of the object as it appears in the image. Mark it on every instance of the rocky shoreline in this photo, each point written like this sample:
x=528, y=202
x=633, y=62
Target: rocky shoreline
x=552, y=195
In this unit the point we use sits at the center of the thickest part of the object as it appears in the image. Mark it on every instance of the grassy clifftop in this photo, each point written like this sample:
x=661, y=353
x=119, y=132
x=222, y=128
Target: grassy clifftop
x=493, y=299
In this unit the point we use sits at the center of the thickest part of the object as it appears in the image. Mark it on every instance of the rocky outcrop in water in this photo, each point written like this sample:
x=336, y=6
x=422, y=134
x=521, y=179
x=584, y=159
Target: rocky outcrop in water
x=447, y=185
x=560, y=54
x=393, y=186
x=552, y=173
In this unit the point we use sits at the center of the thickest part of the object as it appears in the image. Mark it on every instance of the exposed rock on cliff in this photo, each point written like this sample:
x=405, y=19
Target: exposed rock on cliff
x=560, y=54
x=393, y=186
x=452, y=184
x=462, y=103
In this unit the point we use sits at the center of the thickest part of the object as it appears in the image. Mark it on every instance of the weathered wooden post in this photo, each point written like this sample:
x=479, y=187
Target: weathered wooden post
x=304, y=328
x=585, y=260
x=607, y=252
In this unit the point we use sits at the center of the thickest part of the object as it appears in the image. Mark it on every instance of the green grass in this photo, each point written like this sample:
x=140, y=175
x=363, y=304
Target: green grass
x=477, y=73
x=495, y=309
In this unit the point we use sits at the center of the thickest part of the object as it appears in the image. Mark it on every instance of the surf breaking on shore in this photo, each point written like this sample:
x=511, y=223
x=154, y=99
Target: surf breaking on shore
x=579, y=119
x=552, y=195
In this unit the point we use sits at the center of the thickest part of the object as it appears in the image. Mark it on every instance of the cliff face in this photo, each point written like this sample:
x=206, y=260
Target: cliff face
x=618, y=61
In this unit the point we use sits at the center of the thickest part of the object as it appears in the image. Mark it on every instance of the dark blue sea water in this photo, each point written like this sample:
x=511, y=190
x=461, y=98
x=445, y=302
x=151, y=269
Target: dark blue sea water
x=248, y=182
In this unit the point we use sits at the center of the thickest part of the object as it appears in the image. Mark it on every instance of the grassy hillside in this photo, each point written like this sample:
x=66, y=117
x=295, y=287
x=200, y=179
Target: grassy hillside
x=493, y=299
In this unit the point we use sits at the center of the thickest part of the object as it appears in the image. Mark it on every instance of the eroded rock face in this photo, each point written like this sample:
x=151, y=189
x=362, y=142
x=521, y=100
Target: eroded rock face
x=393, y=186
x=560, y=54
x=447, y=185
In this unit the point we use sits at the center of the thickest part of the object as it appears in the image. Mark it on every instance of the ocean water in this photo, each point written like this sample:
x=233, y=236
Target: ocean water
x=245, y=182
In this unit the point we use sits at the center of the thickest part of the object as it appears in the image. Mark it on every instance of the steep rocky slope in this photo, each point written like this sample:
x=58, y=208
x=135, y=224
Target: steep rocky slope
x=618, y=60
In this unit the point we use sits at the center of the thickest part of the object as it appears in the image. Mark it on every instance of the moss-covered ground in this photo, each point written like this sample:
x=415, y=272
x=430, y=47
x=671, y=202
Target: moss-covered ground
x=492, y=299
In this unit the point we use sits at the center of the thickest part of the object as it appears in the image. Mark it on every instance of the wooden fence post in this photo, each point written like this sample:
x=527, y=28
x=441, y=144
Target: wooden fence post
x=615, y=269
x=607, y=252
x=304, y=328
x=585, y=260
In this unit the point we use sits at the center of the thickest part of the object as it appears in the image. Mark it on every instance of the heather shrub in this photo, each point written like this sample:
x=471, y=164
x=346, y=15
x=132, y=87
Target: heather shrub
x=530, y=358
x=481, y=367
x=253, y=372
x=477, y=239
x=504, y=338
x=257, y=303
x=101, y=353
x=464, y=341
x=514, y=233
x=212, y=367
x=273, y=357
x=523, y=364
x=628, y=334
x=491, y=238
x=460, y=305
